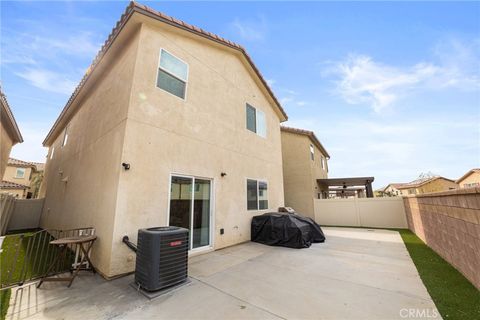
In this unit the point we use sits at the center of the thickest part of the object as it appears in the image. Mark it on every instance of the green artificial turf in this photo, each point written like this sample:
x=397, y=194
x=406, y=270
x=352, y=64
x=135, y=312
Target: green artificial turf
x=4, y=301
x=454, y=296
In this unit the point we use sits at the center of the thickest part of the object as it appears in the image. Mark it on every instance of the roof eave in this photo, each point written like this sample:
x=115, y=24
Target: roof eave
x=141, y=9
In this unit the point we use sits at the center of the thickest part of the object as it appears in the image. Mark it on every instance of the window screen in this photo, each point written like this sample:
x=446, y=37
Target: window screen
x=251, y=118
x=252, y=198
x=171, y=84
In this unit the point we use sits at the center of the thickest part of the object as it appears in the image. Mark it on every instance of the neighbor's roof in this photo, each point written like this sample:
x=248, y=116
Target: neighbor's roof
x=25, y=164
x=11, y=185
x=394, y=185
x=149, y=12
x=467, y=174
x=11, y=124
x=308, y=133
x=420, y=182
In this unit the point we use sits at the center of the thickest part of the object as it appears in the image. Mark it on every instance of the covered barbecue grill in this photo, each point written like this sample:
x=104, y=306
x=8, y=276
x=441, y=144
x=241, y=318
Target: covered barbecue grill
x=285, y=229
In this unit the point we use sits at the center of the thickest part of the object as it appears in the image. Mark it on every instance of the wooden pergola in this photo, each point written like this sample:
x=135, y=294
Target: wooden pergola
x=348, y=184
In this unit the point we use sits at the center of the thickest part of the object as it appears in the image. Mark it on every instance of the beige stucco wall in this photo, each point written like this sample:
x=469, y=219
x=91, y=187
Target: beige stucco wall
x=11, y=173
x=203, y=136
x=6, y=144
x=82, y=177
x=126, y=118
x=473, y=177
x=300, y=172
x=361, y=212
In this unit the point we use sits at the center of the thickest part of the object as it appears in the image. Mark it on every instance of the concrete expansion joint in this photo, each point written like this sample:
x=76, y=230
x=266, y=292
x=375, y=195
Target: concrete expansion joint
x=237, y=298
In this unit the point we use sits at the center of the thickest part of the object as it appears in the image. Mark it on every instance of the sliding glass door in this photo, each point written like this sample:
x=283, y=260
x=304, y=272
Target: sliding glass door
x=190, y=208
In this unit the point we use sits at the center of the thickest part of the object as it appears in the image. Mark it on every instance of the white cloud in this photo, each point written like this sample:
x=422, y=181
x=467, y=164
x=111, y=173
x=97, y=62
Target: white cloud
x=48, y=80
x=362, y=80
x=397, y=150
x=251, y=30
x=31, y=149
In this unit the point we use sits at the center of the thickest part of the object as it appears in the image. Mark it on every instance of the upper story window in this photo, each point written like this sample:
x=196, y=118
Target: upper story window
x=20, y=174
x=312, y=152
x=256, y=121
x=51, y=153
x=257, y=195
x=65, y=137
x=172, y=74
x=323, y=163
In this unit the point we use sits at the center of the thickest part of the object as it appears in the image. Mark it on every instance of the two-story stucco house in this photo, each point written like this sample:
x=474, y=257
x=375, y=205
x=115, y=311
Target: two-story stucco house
x=172, y=125
x=22, y=178
x=305, y=160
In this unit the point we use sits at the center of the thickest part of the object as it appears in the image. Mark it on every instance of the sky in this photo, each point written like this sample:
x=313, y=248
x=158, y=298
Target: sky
x=392, y=90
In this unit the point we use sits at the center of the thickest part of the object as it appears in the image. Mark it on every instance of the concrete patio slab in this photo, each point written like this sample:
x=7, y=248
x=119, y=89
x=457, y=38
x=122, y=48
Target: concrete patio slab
x=355, y=274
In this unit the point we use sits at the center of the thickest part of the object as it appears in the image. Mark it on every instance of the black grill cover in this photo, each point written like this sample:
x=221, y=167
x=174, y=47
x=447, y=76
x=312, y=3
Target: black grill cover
x=287, y=230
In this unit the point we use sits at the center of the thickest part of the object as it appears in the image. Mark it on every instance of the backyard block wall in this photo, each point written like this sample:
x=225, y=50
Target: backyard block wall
x=449, y=223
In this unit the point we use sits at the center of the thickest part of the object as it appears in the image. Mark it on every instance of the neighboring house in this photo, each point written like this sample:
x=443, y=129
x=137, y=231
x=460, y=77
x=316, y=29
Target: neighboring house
x=24, y=173
x=304, y=161
x=391, y=190
x=427, y=185
x=471, y=179
x=9, y=132
x=171, y=125
x=18, y=190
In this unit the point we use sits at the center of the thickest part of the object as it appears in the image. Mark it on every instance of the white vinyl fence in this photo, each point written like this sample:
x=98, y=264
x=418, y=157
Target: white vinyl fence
x=19, y=214
x=7, y=202
x=361, y=212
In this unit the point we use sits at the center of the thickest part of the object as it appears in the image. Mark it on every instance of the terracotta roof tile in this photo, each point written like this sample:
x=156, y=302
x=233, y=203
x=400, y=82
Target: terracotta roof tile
x=421, y=182
x=26, y=164
x=11, y=185
x=142, y=9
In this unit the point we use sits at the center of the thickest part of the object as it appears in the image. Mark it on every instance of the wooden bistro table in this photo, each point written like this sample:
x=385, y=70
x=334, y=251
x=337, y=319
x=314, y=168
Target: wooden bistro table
x=85, y=243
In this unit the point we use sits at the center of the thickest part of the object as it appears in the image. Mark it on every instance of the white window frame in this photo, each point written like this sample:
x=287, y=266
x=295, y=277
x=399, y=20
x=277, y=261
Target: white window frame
x=212, y=209
x=323, y=162
x=51, y=153
x=160, y=67
x=21, y=170
x=312, y=152
x=256, y=121
x=258, y=195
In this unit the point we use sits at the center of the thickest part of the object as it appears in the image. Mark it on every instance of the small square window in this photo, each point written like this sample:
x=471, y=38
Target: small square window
x=20, y=174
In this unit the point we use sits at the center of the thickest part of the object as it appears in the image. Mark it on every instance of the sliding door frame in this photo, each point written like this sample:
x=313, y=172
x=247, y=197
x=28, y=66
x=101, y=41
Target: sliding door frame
x=211, y=213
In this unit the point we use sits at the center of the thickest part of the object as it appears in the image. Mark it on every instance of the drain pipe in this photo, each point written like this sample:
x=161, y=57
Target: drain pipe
x=129, y=244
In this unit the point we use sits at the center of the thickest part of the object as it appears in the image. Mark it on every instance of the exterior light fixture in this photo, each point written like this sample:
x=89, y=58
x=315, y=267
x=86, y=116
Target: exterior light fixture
x=223, y=174
x=126, y=166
